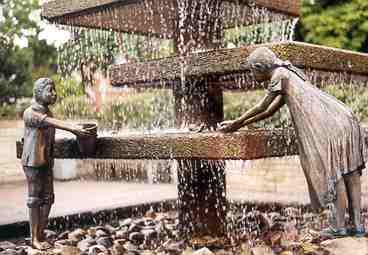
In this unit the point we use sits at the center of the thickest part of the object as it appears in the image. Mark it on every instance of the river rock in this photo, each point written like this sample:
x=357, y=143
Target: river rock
x=118, y=247
x=22, y=250
x=346, y=246
x=107, y=229
x=70, y=250
x=32, y=251
x=62, y=243
x=203, y=251
x=9, y=252
x=77, y=235
x=49, y=234
x=126, y=222
x=136, y=237
x=262, y=250
x=223, y=252
x=140, y=222
x=134, y=228
x=150, y=214
x=105, y=241
x=96, y=249
x=173, y=247
x=149, y=234
x=7, y=245
x=150, y=223
x=63, y=235
x=91, y=232
x=101, y=233
x=130, y=247
x=85, y=244
x=122, y=234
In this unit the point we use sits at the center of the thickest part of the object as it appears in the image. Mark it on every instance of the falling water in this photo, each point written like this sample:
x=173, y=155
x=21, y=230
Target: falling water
x=149, y=32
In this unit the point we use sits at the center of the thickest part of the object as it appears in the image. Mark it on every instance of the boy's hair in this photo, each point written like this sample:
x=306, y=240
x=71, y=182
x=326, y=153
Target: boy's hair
x=263, y=59
x=39, y=86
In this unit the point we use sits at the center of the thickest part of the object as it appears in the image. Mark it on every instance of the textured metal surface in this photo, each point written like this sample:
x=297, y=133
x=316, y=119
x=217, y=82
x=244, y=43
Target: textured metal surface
x=57, y=8
x=213, y=145
x=160, y=16
x=224, y=64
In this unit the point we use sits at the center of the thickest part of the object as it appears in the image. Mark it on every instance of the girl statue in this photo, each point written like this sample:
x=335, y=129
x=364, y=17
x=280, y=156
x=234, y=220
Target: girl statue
x=329, y=137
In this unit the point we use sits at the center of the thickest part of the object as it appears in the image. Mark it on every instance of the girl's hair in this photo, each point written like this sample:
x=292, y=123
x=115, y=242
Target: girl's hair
x=263, y=59
x=39, y=86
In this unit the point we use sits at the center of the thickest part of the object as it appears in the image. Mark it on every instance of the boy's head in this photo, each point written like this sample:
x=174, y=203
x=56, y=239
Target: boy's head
x=44, y=91
x=262, y=61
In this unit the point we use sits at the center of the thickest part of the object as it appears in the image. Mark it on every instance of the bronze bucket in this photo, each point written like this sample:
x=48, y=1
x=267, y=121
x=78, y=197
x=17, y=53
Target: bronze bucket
x=87, y=144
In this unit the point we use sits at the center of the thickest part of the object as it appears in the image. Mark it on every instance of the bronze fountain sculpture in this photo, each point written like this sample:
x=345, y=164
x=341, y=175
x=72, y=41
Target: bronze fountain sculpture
x=37, y=157
x=332, y=161
x=201, y=66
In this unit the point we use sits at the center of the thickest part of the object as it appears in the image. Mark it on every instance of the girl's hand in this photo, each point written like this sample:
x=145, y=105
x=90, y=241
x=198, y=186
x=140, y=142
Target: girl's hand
x=229, y=126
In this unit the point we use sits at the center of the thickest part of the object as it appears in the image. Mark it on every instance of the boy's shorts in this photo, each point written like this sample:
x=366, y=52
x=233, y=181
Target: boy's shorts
x=40, y=186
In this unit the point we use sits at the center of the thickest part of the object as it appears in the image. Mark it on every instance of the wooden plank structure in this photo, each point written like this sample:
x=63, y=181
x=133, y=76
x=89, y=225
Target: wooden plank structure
x=160, y=16
x=222, y=65
x=243, y=145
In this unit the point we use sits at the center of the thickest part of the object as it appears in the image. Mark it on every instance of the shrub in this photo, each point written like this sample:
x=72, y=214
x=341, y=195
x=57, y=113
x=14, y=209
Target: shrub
x=8, y=111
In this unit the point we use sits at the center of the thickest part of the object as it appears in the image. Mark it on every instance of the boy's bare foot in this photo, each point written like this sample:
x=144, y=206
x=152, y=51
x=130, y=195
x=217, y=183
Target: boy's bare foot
x=41, y=245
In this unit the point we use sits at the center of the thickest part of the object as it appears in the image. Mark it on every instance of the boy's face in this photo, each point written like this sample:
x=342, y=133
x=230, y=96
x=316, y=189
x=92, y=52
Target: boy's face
x=49, y=94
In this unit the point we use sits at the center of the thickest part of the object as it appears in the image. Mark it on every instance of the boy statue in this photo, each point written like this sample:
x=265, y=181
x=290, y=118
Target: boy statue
x=37, y=157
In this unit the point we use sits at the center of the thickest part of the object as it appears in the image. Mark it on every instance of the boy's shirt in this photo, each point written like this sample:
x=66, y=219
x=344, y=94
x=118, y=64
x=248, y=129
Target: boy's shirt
x=39, y=137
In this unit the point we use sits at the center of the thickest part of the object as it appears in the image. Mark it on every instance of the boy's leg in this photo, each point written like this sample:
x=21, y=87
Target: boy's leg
x=353, y=186
x=34, y=203
x=48, y=200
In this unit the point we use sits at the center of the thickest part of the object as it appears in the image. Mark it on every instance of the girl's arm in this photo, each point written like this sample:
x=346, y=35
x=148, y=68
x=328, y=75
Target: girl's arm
x=277, y=103
x=267, y=107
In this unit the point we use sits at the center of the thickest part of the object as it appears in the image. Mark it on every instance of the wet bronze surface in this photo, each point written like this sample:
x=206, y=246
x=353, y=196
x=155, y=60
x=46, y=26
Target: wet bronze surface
x=223, y=65
x=240, y=145
x=160, y=15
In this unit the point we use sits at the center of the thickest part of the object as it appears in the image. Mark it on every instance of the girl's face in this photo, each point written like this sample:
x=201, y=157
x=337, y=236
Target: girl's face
x=259, y=76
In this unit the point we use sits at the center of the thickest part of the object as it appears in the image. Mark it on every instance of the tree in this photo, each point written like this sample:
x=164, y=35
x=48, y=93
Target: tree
x=338, y=23
x=14, y=73
x=21, y=65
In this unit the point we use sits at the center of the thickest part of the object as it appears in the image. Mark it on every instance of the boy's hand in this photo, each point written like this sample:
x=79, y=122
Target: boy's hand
x=79, y=131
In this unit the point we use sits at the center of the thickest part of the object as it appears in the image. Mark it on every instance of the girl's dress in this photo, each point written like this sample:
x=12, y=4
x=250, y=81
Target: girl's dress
x=329, y=136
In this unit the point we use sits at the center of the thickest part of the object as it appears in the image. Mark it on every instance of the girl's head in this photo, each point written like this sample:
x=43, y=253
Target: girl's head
x=262, y=61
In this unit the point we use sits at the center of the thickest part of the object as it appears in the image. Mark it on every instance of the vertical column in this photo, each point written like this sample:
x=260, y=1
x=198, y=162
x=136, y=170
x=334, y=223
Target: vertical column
x=201, y=183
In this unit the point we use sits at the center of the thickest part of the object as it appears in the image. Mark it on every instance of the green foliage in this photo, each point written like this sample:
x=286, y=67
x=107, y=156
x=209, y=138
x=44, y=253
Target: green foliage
x=8, y=111
x=355, y=97
x=152, y=109
x=15, y=79
x=21, y=66
x=67, y=87
x=340, y=24
x=237, y=103
x=141, y=110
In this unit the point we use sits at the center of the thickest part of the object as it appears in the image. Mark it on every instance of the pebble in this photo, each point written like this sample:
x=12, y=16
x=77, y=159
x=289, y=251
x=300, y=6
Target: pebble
x=136, y=237
x=105, y=241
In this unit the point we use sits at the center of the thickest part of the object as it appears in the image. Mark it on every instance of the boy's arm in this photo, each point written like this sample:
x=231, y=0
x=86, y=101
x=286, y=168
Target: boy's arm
x=63, y=125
